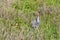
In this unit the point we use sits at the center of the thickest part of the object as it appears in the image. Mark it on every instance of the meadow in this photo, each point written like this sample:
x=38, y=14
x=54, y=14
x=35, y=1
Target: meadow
x=16, y=16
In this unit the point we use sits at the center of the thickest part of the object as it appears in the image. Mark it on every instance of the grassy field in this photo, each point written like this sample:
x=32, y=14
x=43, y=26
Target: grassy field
x=16, y=16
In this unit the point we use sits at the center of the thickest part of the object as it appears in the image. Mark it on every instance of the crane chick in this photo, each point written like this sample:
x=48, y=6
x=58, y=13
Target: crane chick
x=35, y=22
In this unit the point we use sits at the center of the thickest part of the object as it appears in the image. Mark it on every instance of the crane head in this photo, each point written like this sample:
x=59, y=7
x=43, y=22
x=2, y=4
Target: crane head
x=36, y=13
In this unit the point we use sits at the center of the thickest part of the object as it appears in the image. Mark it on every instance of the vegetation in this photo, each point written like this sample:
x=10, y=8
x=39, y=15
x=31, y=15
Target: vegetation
x=16, y=16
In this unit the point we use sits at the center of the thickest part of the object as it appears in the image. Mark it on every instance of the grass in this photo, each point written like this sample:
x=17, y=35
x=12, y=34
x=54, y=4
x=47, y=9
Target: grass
x=15, y=21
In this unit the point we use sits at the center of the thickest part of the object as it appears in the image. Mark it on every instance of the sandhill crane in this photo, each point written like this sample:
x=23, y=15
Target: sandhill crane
x=35, y=22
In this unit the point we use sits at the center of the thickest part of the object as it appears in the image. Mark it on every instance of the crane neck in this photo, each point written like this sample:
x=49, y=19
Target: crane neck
x=37, y=19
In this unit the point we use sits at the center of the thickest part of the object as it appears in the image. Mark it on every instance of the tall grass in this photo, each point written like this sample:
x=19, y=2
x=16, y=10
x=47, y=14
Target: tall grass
x=15, y=20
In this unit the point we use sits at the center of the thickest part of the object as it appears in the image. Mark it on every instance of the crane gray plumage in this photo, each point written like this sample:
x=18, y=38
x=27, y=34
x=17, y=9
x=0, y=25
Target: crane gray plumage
x=35, y=23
